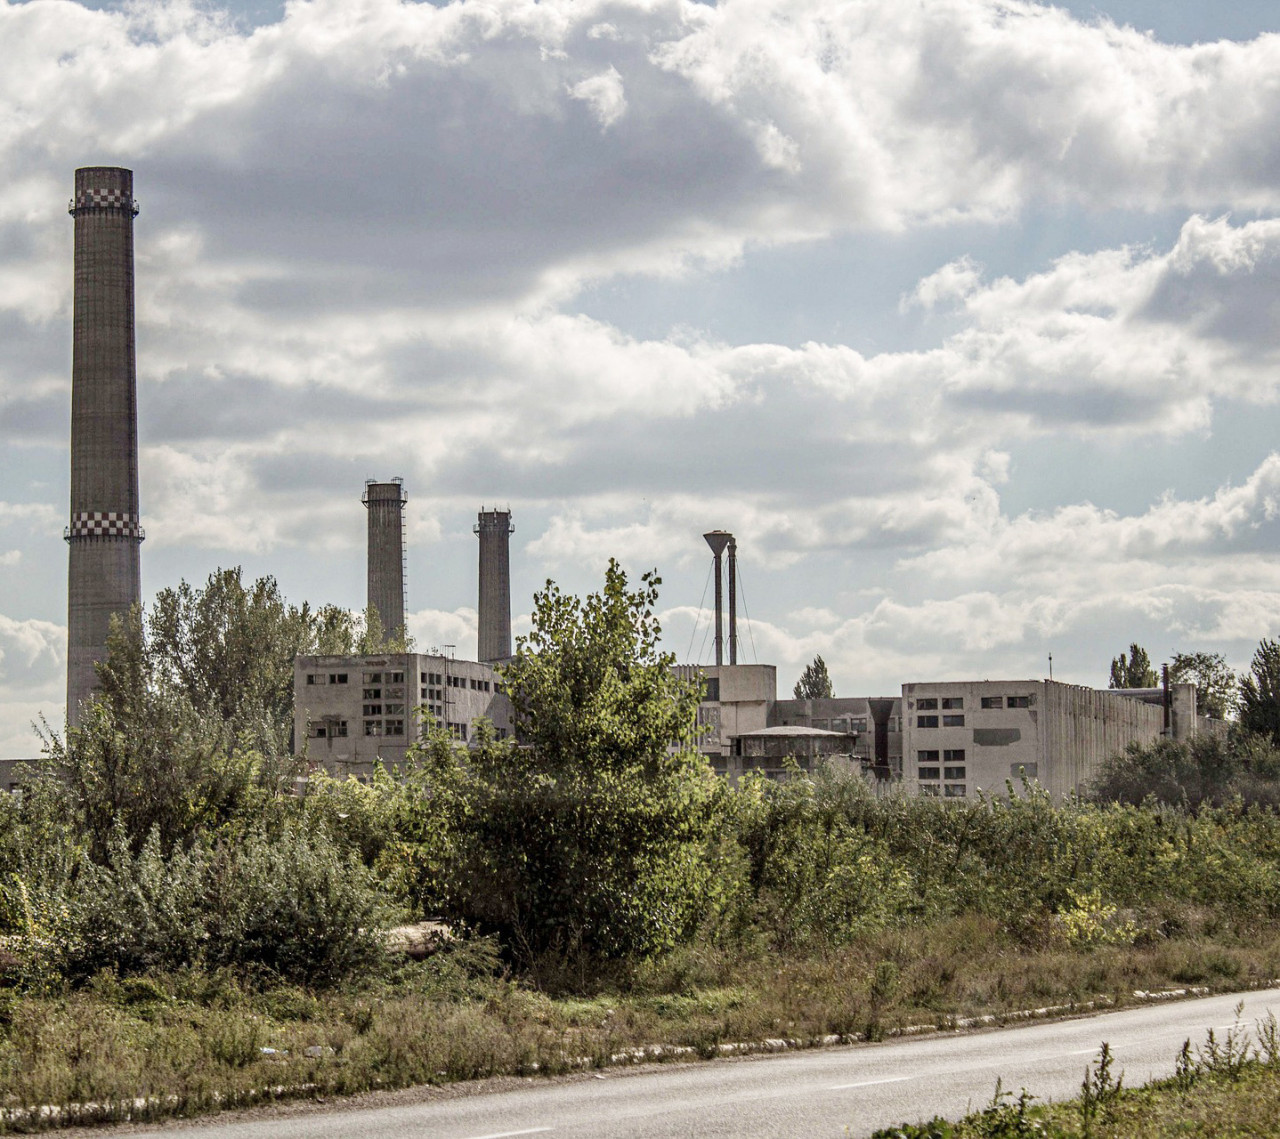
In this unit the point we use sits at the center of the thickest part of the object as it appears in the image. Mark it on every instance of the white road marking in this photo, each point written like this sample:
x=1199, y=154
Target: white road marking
x=508, y=1134
x=868, y=1083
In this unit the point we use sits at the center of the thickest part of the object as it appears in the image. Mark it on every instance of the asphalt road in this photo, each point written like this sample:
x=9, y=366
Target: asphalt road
x=834, y=1092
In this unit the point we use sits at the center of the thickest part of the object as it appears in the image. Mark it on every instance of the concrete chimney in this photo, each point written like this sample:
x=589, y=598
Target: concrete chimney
x=385, y=503
x=718, y=540
x=104, y=574
x=495, y=529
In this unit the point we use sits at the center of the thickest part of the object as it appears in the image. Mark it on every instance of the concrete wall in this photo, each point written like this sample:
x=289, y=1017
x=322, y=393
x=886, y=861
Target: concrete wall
x=954, y=746
x=104, y=576
x=351, y=711
x=1083, y=727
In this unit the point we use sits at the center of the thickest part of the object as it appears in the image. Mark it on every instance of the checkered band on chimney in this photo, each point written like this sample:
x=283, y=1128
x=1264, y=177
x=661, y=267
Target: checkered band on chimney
x=103, y=200
x=104, y=524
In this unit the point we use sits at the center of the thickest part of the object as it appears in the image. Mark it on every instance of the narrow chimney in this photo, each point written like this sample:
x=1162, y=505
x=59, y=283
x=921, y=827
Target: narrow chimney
x=733, y=600
x=494, y=635
x=104, y=574
x=385, y=504
x=717, y=540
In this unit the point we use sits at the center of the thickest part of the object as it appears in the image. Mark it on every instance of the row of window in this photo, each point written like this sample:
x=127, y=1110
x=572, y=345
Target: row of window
x=326, y=678
x=947, y=721
x=948, y=790
x=940, y=773
x=956, y=703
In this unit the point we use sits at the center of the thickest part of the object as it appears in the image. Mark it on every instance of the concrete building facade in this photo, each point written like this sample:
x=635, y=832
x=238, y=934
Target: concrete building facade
x=384, y=502
x=103, y=572
x=875, y=722
x=964, y=737
x=353, y=711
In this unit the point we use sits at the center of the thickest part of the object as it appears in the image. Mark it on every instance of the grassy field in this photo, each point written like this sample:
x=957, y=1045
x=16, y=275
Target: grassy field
x=189, y=1042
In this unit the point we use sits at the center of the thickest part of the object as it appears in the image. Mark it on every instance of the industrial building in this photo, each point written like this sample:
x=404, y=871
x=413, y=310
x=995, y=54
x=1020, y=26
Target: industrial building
x=353, y=711
x=951, y=740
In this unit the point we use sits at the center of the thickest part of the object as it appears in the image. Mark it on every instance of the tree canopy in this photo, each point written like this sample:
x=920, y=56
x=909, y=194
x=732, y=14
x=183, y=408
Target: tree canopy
x=1260, y=693
x=590, y=837
x=1135, y=671
x=814, y=682
x=1217, y=691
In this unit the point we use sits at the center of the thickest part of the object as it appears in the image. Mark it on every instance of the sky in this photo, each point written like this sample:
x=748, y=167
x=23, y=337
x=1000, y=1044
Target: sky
x=962, y=315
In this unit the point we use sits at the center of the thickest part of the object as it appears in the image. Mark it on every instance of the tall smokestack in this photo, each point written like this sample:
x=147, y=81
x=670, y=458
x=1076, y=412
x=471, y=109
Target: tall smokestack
x=104, y=574
x=385, y=504
x=495, y=530
x=733, y=600
x=717, y=540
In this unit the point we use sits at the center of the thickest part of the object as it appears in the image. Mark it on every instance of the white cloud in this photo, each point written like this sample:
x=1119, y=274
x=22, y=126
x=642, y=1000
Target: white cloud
x=604, y=94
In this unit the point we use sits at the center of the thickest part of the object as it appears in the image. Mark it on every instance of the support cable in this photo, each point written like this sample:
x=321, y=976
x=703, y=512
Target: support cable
x=747, y=613
x=705, y=585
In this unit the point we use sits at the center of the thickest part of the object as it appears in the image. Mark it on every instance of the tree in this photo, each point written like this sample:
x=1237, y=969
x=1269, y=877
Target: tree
x=1135, y=672
x=1216, y=686
x=1260, y=693
x=590, y=838
x=814, y=682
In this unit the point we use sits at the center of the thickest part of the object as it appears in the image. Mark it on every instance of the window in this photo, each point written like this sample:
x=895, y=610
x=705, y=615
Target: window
x=392, y=710
x=394, y=728
x=338, y=728
x=398, y=690
x=315, y=678
x=373, y=727
x=1019, y=702
x=1024, y=770
x=373, y=678
x=953, y=790
x=373, y=693
x=395, y=678
x=930, y=790
x=926, y=757
x=930, y=773
x=840, y=725
x=373, y=710
x=713, y=688
x=953, y=755
x=317, y=730
x=485, y=685
x=821, y=724
x=926, y=721
x=424, y=692
x=953, y=702
x=953, y=773
x=859, y=725
x=993, y=701
x=953, y=721
x=927, y=704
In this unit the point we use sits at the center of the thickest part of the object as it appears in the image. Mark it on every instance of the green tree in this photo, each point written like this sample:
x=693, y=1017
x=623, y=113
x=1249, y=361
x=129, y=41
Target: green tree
x=1217, y=691
x=589, y=839
x=1133, y=672
x=814, y=682
x=1260, y=693
x=145, y=758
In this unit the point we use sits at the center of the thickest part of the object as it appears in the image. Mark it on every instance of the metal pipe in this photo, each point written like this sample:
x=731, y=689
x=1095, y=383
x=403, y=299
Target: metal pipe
x=733, y=601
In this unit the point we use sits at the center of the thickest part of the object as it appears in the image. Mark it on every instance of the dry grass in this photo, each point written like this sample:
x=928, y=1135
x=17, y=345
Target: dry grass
x=193, y=1042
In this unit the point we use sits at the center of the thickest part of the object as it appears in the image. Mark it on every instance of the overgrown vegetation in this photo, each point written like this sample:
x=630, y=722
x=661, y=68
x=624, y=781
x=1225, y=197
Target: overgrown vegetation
x=170, y=902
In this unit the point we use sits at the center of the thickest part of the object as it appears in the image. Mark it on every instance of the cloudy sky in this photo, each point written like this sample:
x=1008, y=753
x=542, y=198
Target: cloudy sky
x=961, y=314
